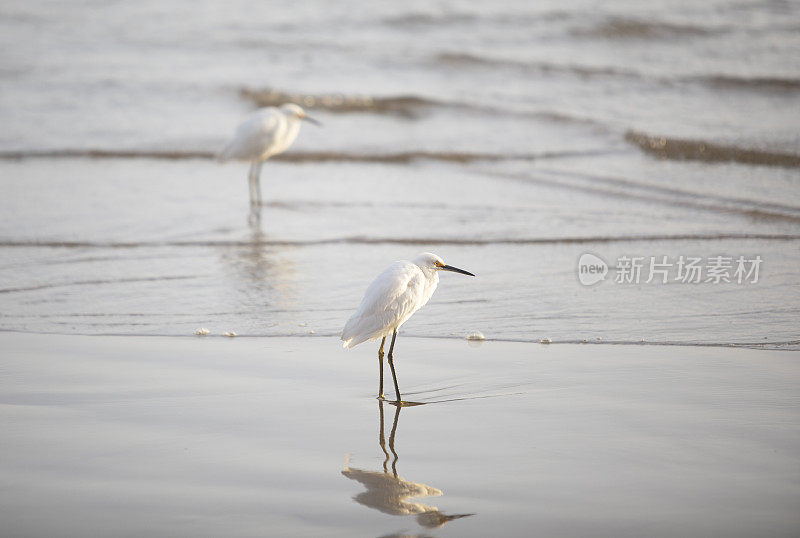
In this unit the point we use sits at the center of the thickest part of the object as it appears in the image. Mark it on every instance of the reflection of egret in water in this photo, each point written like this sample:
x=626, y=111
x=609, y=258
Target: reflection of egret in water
x=254, y=217
x=263, y=276
x=388, y=493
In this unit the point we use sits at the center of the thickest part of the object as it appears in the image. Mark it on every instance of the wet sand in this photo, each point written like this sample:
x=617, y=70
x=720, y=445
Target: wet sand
x=212, y=436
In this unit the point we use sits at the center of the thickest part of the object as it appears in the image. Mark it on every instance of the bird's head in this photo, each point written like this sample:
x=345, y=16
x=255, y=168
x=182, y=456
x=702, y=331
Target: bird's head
x=431, y=262
x=295, y=111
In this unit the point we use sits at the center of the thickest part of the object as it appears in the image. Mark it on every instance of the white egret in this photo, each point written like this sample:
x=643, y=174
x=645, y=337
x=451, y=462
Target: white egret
x=402, y=289
x=265, y=133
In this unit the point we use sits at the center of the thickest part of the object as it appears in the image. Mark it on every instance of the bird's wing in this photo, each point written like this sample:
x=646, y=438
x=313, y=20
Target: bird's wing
x=254, y=136
x=388, y=302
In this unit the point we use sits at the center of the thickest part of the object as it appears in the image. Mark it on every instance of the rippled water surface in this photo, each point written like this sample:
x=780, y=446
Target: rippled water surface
x=510, y=138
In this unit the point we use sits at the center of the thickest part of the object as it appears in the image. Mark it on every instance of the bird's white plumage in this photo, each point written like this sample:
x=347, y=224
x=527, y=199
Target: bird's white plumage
x=399, y=291
x=402, y=289
x=265, y=133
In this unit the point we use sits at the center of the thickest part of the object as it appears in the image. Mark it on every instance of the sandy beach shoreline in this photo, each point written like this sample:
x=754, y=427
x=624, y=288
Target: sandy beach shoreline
x=156, y=436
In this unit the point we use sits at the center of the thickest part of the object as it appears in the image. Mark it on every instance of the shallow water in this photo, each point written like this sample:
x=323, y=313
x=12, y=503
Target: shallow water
x=165, y=264
x=510, y=139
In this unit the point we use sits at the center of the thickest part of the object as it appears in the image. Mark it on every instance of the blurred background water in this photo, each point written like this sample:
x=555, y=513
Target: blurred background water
x=507, y=137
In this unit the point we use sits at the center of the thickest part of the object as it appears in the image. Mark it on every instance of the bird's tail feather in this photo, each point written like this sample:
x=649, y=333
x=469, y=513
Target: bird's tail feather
x=353, y=333
x=353, y=342
x=348, y=332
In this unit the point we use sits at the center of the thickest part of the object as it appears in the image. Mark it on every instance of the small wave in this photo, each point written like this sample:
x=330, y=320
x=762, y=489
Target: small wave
x=788, y=345
x=467, y=59
x=433, y=20
x=472, y=60
x=701, y=150
x=778, y=84
x=106, y=154
x=428, y=19
x=366, y=240
x=713, y=80
x=625, y=28
x=403, y=105
x=404, y=157
x=779, y=345
x=412, y=106
x=636, y=190
x=95, y=283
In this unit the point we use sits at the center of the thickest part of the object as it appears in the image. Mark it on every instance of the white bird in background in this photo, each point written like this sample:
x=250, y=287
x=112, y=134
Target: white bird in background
x=265, y=133
x=402, y=289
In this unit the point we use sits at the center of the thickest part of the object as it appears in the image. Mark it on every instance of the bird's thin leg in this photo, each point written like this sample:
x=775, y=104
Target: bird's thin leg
x=391, y=346
x=391, y=365
x=380, y=369
x=251, y=182
x=258, y=183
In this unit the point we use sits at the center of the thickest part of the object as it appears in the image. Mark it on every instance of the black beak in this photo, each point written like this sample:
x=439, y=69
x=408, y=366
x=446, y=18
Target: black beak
x=454, y=270
x=309, y=119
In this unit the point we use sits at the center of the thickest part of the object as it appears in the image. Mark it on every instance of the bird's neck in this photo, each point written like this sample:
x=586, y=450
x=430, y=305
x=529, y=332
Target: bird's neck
x=431, y=281
x=431, y=275
x=293, y=125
